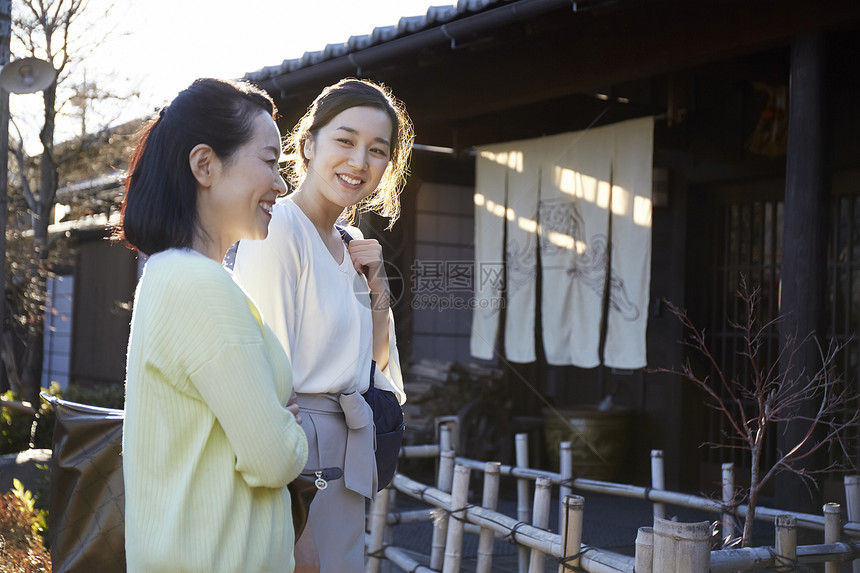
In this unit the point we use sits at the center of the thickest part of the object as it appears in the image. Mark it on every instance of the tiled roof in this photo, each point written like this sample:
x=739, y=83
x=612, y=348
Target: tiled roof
x=435, y=16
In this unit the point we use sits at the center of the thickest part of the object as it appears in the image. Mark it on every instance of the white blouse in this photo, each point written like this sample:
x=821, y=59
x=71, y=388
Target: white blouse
x=318, y=309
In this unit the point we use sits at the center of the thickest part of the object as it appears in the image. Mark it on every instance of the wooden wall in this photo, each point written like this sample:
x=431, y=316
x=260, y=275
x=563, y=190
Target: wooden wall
x=105, y=280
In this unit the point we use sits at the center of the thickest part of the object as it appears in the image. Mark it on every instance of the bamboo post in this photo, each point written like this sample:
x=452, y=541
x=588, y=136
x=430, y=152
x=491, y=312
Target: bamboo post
x=728, y=501
x=454, y=540
x=522, y=454
x=543, y=498
x=445, y=441
x=440, y=525
x=658, y=480
x=785, y=543
x=832, y=528
x=388, y=535
x=378, y=517
x=852, y=505
x=571, y=532
x=491, y=502
x=681, y=547
x=566, y=471
x=449, y=436
x=644, y=550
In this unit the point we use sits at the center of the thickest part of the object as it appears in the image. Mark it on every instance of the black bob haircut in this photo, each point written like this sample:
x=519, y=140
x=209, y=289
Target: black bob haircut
x=159, y=210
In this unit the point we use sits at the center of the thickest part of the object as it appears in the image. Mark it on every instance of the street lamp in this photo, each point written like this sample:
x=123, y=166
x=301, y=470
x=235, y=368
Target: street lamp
x=26, y=76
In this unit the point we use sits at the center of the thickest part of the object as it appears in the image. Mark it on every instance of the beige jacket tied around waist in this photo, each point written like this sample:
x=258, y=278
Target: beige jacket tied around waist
x=345, y=435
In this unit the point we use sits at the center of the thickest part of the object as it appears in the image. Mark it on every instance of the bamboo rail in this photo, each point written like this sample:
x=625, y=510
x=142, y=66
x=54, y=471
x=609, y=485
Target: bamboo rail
x=804, y=520
x=674, y=546
x=18, y=406
x=595, y=560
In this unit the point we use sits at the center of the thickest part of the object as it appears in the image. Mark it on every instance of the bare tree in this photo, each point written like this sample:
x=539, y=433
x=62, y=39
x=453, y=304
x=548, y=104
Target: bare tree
x=56, y=31
x=752, y=406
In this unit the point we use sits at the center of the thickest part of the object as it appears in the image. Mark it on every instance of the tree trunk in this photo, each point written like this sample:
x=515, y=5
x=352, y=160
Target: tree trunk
x=32, y=368
x=755, y=476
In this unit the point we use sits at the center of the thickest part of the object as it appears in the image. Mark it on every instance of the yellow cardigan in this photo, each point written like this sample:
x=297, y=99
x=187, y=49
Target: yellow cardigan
x=208, y=446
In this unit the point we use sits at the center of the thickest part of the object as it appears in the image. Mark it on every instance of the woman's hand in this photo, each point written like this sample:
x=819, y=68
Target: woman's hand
x=366, y=255
x=293, y=406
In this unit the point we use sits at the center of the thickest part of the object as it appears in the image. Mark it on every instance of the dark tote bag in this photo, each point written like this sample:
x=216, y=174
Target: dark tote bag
x=86, y=519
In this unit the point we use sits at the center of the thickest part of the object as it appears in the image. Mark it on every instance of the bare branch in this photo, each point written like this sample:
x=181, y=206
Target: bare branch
x=774, y=393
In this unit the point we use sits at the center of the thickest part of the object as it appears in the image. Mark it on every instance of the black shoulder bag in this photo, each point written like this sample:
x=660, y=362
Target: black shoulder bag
x=387, y=419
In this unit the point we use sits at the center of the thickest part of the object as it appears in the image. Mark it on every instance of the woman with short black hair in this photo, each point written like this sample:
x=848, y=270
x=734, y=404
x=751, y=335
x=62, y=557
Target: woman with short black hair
x=210, y=441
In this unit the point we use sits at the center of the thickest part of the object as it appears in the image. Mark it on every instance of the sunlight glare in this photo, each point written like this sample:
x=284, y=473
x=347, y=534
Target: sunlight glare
x=620, y=200
x=528, y=225
x=577, y=184
x=642, y=211
x=510, y=159
x=495, y=208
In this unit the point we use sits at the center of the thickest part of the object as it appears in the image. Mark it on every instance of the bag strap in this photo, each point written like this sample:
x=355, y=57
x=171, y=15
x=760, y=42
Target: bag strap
x=347, y=238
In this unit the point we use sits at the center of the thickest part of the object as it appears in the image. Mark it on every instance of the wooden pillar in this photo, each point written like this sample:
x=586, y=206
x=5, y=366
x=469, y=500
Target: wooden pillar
x=804, y=244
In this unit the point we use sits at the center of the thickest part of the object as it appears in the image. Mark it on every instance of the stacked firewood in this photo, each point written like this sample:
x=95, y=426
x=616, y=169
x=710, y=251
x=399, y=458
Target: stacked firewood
x=437, y=388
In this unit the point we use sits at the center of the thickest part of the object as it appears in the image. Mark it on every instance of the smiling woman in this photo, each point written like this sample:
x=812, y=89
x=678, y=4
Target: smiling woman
x=328, y=302
x=211, y=436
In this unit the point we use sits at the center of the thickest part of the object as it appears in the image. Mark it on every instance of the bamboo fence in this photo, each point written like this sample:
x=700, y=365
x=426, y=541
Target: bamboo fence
x=664, y=547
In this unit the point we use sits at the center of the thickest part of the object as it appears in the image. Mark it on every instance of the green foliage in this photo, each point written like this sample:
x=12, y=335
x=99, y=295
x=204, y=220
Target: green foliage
x=104, y=395
x=20, y=431
x=22, y=549
x=39, y=524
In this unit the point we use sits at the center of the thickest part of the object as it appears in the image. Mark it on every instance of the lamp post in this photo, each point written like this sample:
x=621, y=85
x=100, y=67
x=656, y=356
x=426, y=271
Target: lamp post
x=23, y=76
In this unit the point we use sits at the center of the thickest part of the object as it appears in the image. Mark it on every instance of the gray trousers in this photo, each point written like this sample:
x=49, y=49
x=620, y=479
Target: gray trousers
x=337, y=515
